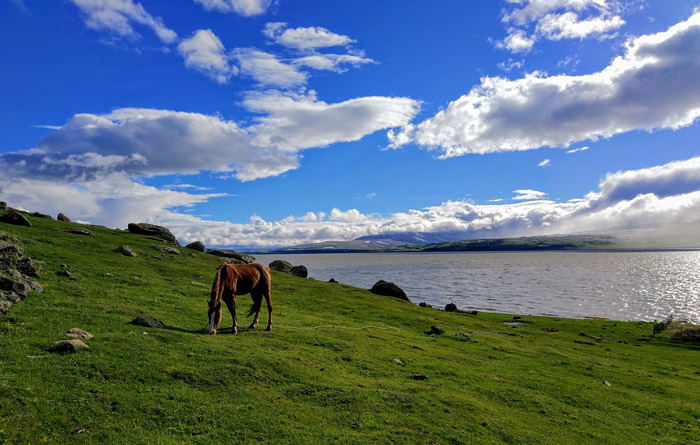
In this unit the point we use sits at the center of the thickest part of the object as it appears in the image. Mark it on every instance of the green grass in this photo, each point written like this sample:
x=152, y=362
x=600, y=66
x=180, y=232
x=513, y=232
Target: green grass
x=324, y=373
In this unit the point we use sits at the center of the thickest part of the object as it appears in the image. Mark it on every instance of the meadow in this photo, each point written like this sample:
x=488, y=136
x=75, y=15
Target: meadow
x=340, y=365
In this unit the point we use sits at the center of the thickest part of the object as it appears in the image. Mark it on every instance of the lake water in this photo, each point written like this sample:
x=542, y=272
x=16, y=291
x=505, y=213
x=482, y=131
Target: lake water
x=614, y=285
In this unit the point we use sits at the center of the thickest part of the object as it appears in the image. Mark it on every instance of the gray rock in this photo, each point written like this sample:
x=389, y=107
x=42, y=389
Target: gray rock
x=168, y=249
x=417, y=377
x=435, y=330
x=15, y=218
x=282, y=266
x=126, y=250
x=247, y=259
x=424, y=304
x=19, y=286
x=153, y=230
x=40, y=215
x=233, y=261
x=78, y=333
x=197, y=245
x=78, y=231
x=3, y=205
x=388, y=288
x=5, y=306
x=67, y=346
x=451, y=307
x=28, y=267
x=300, y=271
x=66, y=274
x=332, y=280
x=3, y=236
x=397, y=361
x=147, y=321
x=10, y=296
x=62, y=217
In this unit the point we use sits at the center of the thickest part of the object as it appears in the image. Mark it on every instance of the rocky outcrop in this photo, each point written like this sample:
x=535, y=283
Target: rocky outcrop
x=245, y=258
x=15, y=218
x=197, y=245
x=153, y=230
x=78, y=333
x=389, y=289
x=282, y=266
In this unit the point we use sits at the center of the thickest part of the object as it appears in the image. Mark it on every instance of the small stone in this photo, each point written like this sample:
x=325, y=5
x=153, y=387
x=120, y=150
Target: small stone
x=451, y=307
x=65, y=273
x=435, y=330
x=417, y=377
x=67, y=346
x=126, y=250
x=606, y=383
x=397, y=361
x=190, y=354
x=168, y=249
x=463, y=334
x=147, y=321
x=78, y=333
x=424, y=304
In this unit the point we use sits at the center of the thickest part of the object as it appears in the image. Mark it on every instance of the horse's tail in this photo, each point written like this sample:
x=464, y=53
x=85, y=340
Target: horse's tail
x=217, y=288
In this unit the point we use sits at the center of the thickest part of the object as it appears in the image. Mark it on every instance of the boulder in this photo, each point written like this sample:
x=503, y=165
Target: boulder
x=126, y=250
x=300, y=271
x=247, y=259
x=424, y=304
x=78, y=333
x=15, y=218
x=197, y=245
x=62, y=217
x=67, y=346
x=153, y=230
x=79, y=231
x=19, y=286
x=388, y=288
x=41, y=215
x=147, y=321
x=451, y=307
x=168, y=249
x=282, y=266
x=3, y=205
x=332, y=280
x=435, y=330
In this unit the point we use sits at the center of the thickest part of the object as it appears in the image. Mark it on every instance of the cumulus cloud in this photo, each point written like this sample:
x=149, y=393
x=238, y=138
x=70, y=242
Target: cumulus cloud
x=654, y=85
x=528, y=195
x=267, y=69
x=117, y=16
x=204, y=52
x=556, y=20
x=332, y=62
x=245, y=8
x=304, y=38
x=294, y=122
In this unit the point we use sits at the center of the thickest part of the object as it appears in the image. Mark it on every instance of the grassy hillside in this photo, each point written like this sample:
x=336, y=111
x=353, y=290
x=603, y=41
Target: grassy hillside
x=325, y=373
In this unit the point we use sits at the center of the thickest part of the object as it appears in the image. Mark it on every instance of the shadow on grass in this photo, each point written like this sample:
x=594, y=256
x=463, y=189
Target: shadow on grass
x=204, y=330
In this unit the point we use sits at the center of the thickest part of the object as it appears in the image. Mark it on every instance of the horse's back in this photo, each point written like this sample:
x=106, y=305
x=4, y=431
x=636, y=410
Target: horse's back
x=248, y=277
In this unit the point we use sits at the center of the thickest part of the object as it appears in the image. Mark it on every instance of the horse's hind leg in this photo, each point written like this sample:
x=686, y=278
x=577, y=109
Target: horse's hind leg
x=230, y=300
x=257, y=303
x=268, y=299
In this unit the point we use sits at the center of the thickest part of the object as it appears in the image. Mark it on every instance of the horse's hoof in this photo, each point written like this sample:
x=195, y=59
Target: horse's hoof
x=252, y=326
x=268, y=328
x=235, y=331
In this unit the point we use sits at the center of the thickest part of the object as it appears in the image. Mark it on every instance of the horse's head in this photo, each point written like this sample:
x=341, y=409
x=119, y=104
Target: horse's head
x=214, y=316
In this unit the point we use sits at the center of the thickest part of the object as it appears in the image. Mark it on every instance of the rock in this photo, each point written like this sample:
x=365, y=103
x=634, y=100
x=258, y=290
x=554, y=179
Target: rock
x=397, y=361
x=67, y=346
x=282, y=266
x=27, y=266
x=417, y=377
x=424, y=304
x=232, y=261
x=197, y=245
x=19, y=286
x=79, y=231
x=65, y=273
x=40, y=215
x=168, y=249
x=10, y=296
x=62, y=217
x=190, y=354
x=15, y=218
x=247, y=259
x=606, y=383
x=3, y=205
x=463, y=334
x=3, y=236
x=147, y=321
x=300, y=271
x=332, y=280
x=5, y=306
x=451, y=307
x=388, y=288
x=153, y=230
x=78, y=333
x=126, y=250
x=435, y=330
x=8, y=249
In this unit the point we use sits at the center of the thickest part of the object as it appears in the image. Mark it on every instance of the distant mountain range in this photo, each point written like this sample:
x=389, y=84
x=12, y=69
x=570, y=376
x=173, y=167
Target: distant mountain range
x=422, y=242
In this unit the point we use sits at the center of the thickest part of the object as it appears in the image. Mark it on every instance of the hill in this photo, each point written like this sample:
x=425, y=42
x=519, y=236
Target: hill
x=340, y=364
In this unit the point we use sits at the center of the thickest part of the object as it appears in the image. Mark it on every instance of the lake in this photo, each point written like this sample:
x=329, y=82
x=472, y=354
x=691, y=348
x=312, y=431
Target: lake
x=615, y=285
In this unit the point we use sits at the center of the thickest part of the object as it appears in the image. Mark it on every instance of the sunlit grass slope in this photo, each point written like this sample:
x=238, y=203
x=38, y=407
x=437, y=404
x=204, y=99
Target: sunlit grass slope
x=325, y=373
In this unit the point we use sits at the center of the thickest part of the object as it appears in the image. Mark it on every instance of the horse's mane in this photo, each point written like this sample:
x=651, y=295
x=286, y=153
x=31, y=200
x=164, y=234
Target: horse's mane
x=216, y=287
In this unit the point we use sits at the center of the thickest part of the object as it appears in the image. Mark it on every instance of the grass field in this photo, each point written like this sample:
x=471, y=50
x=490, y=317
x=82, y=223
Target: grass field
x=326, y=373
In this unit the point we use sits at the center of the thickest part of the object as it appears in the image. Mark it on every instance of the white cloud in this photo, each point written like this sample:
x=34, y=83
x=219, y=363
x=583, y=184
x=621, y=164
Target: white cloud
x=516, y=41
x=575, y=150
x=526, y=194
x=569, y=26
x=654, y=85
x=510, y=65
x=245, y=8
x=544, y=163
x=295, y=122
x=117, y=16
x=204, y=52
x=304, y=38
x=332, y=62
x=266, y=69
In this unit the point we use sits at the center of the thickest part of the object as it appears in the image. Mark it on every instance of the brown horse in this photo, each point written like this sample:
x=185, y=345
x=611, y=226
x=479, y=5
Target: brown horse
x=235, y=280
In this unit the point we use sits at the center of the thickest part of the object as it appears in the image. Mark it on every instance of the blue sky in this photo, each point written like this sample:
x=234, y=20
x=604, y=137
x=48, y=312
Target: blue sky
x=258, y=123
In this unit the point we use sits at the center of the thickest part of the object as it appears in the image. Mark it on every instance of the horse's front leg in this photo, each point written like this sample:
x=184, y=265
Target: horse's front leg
x=231, y=304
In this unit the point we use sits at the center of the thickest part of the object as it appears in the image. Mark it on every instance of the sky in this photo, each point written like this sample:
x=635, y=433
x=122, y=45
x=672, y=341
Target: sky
x=266, y=123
